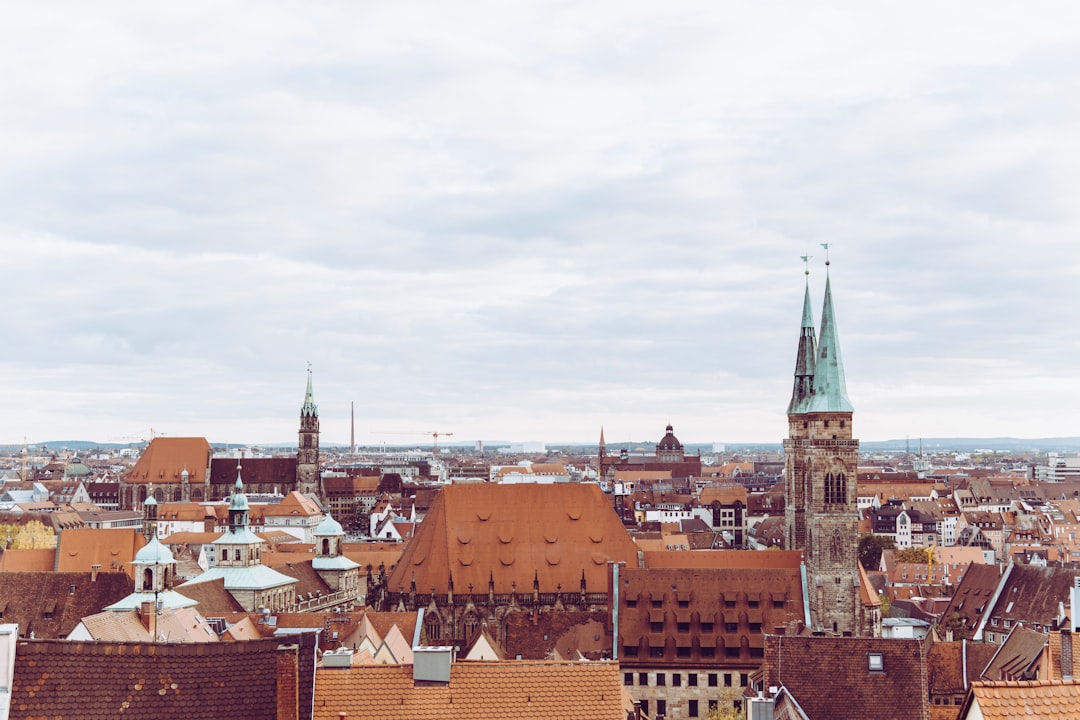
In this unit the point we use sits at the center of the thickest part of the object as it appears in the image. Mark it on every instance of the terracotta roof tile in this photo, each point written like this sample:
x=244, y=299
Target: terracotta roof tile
x=513, y=533
x=165, y=458
x=1035, y=699
x=51, y=604
x=476, y=691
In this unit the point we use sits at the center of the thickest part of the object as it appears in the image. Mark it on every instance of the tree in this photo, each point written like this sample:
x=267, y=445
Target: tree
x=913, y=555
x=34, y=535
x=726, y=709
x=870, y=549
x=956, y=625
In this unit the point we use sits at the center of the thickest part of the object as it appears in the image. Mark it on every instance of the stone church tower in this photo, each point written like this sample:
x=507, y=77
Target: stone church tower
x=307, y=454
x=821, y=456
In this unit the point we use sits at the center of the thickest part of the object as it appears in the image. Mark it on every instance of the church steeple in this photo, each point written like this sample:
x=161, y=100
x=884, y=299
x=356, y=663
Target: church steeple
x=829, y=389
x=307, y=452
x=805, y=358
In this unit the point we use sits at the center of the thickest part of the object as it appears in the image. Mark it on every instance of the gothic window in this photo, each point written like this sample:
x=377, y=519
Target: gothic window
x=835, y=489
x=836, y=548
x=326, y=546
x=471, y=626
x=433, y=627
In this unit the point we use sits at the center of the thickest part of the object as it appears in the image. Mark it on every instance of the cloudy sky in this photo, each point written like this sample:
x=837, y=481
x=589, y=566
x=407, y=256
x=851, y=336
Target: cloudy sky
x=529, y=220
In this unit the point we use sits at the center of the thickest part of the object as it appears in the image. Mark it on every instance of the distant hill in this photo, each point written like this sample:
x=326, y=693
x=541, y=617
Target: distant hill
x=929, y=445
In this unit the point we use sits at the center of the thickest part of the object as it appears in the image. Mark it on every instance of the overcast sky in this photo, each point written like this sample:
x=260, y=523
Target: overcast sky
x=527, y=220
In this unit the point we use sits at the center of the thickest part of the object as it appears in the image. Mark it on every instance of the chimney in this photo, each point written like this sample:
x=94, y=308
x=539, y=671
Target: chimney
x=148, y=615
x=94, y=571
x=288, y=682
x=1066, y=655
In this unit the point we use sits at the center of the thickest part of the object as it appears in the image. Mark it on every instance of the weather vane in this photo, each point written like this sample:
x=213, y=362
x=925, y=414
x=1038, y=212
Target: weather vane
x=806, y=262
x=826, y=246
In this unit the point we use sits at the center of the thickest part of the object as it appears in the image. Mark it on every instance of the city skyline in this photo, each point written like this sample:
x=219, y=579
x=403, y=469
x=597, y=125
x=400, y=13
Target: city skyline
x=531, y=222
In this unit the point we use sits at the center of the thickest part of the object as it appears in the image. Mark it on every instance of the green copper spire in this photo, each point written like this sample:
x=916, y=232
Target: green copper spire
x=309, y=407
x=830, y=389
x=804, y=360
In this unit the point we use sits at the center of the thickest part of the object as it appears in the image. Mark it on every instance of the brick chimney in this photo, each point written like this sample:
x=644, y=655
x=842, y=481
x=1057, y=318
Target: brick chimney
x=288, y=682
x=94, y=571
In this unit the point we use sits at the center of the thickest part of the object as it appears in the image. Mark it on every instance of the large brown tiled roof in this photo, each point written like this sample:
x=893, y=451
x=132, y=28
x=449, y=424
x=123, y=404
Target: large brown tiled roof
x=789, y=559
x=214, y=600
x=513, y=533
x=830, y=677
x=257, y=471
x=1033, y=595
x=51, y=604
x=165, y=458
x=476, y=691
x=87, y=681
x=947, y=662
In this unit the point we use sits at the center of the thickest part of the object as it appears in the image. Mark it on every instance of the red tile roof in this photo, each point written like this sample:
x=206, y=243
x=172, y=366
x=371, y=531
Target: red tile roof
x=112, y=548
x=165, y=458
x=513, y=533
x=1036, y=699
x=476, y=691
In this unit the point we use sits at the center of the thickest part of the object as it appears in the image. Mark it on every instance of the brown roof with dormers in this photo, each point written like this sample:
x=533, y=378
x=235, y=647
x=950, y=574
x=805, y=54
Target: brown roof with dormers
x=293, y=505
x=706, y=611
x=157, y=681
x=1035, y=699
x=165, y=458
x=51, y=604
x=256, y=471
x=947, y=661
x=481, y=690
x=789, y=559
x=973, y=594
x=79, y=549
x=514, y=533
x=830, y=677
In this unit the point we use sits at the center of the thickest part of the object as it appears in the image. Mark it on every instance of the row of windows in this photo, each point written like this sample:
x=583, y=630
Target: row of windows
x=752, y=603
x=661, y=679
x=705, y=652
x=693, y=707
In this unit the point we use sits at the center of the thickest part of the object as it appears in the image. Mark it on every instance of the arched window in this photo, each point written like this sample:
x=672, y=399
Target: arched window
x=472, y=625
x=433, y=627
x=148, y=580
x=835, y=489
x=326, y=546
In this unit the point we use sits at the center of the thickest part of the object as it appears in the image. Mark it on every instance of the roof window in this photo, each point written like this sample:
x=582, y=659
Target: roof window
x=875, y=662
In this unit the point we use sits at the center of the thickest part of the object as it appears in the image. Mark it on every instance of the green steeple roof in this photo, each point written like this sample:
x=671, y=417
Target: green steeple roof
x=830, y=389
x=309, y=407
x=804, y=360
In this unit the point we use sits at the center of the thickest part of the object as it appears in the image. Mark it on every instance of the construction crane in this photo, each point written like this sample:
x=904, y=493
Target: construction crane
x=433, y=433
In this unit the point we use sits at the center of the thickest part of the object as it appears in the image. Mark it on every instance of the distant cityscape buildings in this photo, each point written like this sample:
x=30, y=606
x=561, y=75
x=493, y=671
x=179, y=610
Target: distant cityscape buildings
x=644, y=580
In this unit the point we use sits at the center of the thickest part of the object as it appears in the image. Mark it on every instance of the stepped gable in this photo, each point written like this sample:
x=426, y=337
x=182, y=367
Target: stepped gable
x=51, y=604
x=163, y=681
x=256, y=471
x=476, y=691
x=511, y=534
x=165, y=458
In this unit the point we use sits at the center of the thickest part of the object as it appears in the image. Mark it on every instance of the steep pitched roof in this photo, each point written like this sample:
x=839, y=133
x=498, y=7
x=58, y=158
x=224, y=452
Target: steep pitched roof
x=256, y=471
x=812, y=668
x=51, y=604
x=35, y=560
x=476, y=691
x=165, y=458
x=164, y=681
x=513, y=533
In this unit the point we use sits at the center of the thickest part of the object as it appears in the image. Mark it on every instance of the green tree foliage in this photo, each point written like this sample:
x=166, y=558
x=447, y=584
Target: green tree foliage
x=726, y=710
x=957, y=625
x=870, y=548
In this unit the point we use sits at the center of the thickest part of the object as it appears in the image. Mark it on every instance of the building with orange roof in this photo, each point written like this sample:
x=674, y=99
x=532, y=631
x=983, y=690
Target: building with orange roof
x=181, y=469
x=474, y=690
x=669, y=455
x=28, y=560
x=107, y=550
x=486, y=549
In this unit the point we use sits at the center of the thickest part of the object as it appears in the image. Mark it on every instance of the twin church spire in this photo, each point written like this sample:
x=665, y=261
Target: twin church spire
x=819, y=369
